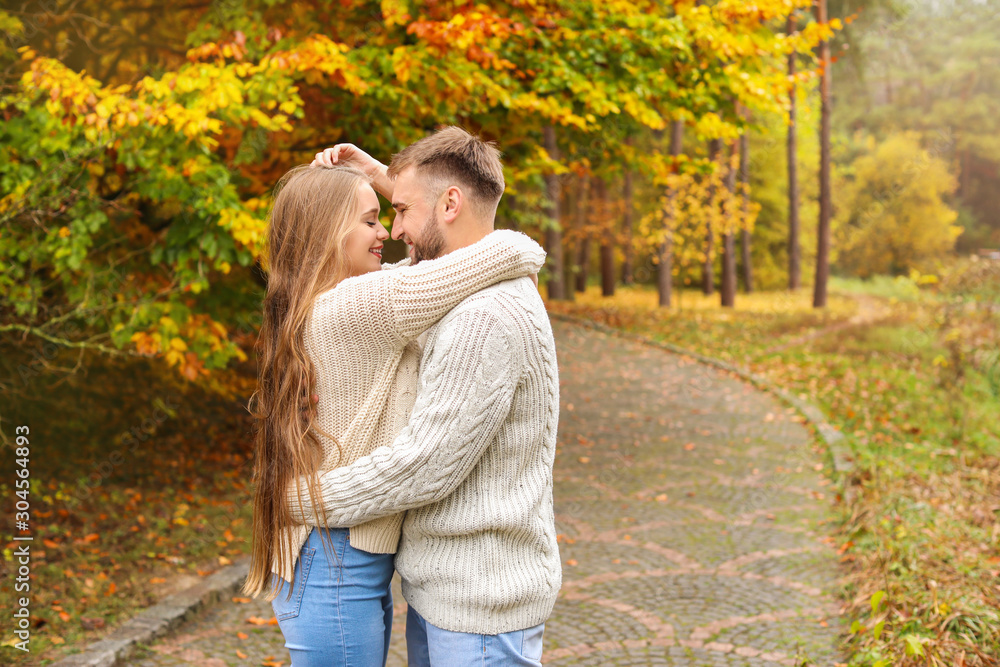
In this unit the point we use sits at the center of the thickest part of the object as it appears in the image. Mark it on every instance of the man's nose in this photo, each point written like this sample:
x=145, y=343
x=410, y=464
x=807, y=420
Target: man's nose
x=397, y=229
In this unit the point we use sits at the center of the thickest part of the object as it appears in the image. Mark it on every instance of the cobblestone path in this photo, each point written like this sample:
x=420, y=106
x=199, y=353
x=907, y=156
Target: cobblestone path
x=691, y=512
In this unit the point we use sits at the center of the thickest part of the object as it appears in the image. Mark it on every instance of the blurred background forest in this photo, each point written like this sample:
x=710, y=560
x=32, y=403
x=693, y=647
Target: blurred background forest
x=668, y=155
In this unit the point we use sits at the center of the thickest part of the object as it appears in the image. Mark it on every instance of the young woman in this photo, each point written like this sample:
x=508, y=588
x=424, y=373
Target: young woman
x=337, y=326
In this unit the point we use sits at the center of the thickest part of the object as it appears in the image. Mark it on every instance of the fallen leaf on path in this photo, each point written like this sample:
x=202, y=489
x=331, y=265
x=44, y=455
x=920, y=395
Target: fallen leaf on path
x=92, y=623
x=242, y=635
x=257, y=620
x=242, y=600
x=241, y=655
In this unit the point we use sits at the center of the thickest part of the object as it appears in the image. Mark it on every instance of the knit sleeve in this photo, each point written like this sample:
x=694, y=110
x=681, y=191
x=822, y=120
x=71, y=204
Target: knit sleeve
x=396, y=265
x=394, y=307
x=470, y=379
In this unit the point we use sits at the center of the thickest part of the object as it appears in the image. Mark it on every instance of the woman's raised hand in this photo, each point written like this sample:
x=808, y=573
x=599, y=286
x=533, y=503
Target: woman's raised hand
x=347, y=155
x=350, y=155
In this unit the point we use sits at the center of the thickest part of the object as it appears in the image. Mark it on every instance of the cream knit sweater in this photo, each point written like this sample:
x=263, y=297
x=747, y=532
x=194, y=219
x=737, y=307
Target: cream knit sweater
x=361, y=339
x=473, y=469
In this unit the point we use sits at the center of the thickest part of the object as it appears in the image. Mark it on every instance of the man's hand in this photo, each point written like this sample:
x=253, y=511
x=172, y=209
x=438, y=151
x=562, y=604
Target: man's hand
x=305, y=408
x=350, y=155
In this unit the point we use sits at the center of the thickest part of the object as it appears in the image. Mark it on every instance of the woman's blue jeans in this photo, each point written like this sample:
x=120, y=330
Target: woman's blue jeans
x=340, y=612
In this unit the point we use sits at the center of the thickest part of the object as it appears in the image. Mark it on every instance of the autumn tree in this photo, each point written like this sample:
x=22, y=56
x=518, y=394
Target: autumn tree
x=894, y=216
x=825, y=203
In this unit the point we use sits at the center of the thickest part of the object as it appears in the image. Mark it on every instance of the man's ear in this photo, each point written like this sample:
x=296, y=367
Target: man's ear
x=454, y=200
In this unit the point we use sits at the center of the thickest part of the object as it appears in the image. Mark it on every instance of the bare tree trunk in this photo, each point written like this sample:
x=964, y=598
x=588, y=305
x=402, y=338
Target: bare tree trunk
x=823, y=242
x=707, y=269
x=665, y=268
x=727, y=291
x=794, y=249
x=570, y=243
x=627, y=278
x=607, y=269
x=584, y=273
x=553, y=235
x=607, y=246
x=745, y=203
x=583, y=247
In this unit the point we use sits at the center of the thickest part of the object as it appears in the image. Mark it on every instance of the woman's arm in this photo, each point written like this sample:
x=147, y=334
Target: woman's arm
x=351, y=156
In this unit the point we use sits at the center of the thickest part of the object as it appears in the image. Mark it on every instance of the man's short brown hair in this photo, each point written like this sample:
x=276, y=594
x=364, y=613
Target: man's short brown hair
x=452, y=156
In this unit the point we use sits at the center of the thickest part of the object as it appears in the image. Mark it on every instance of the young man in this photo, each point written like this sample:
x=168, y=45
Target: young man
x=478, y=557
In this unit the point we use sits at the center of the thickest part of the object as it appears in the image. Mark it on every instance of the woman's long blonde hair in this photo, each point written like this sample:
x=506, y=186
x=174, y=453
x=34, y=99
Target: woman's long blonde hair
x=310, y=218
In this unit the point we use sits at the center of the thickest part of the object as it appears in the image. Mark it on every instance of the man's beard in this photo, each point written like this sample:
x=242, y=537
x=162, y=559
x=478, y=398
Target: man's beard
x=431, y=243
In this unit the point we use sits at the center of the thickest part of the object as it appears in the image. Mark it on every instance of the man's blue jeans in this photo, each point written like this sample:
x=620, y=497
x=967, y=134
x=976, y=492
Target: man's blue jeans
x=430, y=646
x=340, y=612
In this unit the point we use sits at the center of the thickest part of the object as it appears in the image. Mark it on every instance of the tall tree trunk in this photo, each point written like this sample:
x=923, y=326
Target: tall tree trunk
x=583, y=274
x=665, y=268
x=583, y=247
x=553, y=235
x=707, y=268
x=627, y=278
x=745, y=205
x=823, y=242
x=794, y=249
x=727, y=290
x=607, y=246
x=570, y=243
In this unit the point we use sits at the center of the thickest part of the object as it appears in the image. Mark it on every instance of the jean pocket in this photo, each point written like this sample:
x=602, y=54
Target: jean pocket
x=531, y=642
x=285, y=608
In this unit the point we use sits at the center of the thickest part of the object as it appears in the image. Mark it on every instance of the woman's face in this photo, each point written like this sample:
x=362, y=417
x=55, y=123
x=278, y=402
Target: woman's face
x=366, y=238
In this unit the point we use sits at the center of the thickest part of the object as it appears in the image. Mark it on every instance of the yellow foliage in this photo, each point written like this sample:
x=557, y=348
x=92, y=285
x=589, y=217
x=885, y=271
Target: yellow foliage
x=894, y=216
x=245, y=229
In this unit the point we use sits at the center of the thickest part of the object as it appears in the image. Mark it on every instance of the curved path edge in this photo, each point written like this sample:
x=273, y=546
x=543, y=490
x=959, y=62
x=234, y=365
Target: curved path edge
x=833, y=439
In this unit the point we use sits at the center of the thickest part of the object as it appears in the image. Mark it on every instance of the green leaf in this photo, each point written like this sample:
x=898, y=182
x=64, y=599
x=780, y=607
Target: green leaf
x=876, y=600
x=877, y=630
x=914, y=645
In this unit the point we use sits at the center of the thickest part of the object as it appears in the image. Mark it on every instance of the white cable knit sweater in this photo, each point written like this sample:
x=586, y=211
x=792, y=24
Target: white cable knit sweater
x=361, y=339
x=473, y=469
